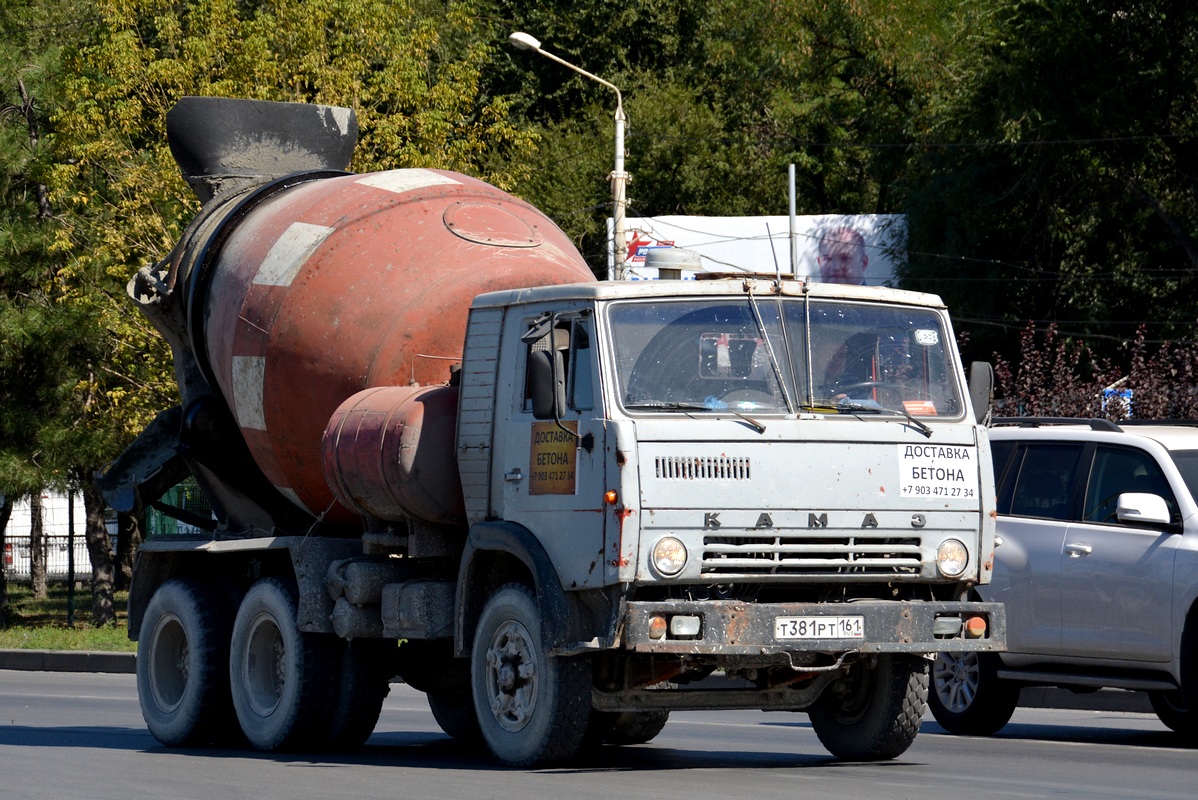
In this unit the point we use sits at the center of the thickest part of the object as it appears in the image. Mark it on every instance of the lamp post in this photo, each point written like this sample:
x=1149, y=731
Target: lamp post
x=619, y=178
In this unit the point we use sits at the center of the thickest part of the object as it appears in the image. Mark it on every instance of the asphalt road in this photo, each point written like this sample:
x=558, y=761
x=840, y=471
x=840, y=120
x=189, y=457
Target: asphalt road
x=81, y=735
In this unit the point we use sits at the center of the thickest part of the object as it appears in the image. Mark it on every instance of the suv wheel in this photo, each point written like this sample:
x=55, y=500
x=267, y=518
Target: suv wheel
x=967, y=696
x=1172, y=710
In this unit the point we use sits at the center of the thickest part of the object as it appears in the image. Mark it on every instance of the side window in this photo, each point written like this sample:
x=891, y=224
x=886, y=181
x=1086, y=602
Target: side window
x=1002, y=454
x=561, y=357
x=1043, y=481
x=582, y=379
x=1118, y=470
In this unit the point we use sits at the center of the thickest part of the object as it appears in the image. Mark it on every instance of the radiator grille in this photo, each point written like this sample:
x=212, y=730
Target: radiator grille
x=703, y=468
x=827, y=552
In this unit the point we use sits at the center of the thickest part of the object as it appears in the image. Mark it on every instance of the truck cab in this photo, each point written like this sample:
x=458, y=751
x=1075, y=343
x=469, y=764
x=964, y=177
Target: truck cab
x=776, y=481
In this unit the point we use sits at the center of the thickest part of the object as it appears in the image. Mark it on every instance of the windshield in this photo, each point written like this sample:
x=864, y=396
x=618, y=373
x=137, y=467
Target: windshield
x=748, y=355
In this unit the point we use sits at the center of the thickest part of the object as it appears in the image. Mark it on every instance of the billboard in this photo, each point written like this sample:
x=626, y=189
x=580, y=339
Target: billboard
x=836, y=248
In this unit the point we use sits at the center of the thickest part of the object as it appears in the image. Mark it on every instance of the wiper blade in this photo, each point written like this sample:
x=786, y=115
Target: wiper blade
x=874, y=407
x=721, y=409
x=666, y=406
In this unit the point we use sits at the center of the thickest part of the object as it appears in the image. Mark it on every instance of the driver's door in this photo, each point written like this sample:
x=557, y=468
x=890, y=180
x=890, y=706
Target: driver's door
x=548, y=469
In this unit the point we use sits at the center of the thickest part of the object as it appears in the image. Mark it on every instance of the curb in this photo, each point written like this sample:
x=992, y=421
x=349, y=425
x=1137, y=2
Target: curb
x=68, y=661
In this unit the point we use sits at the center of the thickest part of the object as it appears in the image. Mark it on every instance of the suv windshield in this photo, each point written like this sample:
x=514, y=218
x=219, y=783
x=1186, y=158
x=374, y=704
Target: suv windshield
x=759, y=354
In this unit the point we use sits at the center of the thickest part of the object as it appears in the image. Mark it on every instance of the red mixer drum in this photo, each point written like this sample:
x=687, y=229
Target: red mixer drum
x=321, y=288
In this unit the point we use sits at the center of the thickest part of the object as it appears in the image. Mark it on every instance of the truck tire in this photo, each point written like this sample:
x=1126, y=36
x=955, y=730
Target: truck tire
x=625, y=727
x=454, y=713
x=280, y=677
x=364, y=681
x=873, y=713
x=182, y=672
x=532, y=708
x=967, y=697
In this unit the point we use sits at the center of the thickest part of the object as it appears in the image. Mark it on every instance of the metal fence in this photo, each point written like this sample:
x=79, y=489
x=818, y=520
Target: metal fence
x=61, y=512
x=57, y=550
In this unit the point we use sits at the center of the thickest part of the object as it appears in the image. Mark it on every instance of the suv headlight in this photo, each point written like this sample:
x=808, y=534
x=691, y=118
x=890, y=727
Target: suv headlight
x=669, y=556
x=952, y=558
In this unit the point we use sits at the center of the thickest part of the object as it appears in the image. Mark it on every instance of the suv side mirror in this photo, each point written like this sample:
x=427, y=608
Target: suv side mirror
x=1142, y=509
x=981, y=389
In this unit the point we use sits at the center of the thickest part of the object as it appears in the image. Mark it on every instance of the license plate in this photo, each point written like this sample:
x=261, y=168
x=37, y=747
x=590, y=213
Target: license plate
x=819, y=627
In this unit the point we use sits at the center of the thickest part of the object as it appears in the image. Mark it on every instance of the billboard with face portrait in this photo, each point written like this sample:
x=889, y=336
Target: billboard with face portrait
x=832, y=248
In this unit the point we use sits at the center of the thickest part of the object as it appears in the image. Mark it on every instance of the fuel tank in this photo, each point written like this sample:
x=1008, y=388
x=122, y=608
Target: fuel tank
x=304, y=290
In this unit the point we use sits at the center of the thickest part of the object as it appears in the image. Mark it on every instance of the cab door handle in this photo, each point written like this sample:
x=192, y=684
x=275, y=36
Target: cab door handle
x=1077, y=550
x=513, y=476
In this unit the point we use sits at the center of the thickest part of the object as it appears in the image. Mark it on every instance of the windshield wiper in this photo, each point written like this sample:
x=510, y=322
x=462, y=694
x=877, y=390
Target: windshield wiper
x=669, y=406
x=874, y=407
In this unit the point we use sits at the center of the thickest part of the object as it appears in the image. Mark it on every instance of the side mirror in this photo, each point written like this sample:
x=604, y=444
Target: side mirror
x=547, y=383
x=1136, y=508
x=981, y=389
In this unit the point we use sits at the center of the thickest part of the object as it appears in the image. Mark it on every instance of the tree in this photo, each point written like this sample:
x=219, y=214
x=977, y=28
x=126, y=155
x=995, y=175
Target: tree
x=1057, y=176
x=722, y=96
x=41, y=342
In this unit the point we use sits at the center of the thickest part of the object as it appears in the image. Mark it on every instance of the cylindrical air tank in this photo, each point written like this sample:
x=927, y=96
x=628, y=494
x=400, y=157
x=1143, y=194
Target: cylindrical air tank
x=312, y=290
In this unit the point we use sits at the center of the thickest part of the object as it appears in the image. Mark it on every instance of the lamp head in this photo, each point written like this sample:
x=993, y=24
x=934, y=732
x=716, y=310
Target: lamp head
x=523, y=41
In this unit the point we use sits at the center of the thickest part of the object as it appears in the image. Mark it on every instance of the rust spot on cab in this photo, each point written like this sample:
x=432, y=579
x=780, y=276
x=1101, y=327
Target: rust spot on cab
x=621, y=459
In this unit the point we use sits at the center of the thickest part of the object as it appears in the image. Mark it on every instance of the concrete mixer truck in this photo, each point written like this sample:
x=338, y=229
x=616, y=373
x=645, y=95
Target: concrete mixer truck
x=438, y=450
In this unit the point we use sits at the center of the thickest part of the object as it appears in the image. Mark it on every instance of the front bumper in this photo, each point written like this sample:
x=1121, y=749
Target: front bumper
x=735, y=628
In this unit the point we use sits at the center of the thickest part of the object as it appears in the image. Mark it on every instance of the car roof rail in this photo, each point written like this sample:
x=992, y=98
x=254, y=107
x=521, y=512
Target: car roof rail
x=1097, y=424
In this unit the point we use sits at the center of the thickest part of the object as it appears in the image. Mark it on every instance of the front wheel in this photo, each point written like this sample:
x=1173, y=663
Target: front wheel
x=1173, y=710
x=874, y=712
x=967, y=695
x=532, y=708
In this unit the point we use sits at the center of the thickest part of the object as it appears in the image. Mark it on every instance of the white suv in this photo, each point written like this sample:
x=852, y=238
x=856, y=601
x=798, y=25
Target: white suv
x=1097, y=564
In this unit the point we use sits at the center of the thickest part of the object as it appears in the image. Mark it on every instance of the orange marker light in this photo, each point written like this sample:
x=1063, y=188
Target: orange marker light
x=657, y=627
x=611, y=497
x=975, y=628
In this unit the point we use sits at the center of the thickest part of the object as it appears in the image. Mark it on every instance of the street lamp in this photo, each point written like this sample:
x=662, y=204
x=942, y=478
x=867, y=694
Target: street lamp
x=619, y=178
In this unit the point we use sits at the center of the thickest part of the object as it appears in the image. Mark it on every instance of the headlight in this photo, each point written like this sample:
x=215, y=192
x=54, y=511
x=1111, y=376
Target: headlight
x=669, y=556
x=952, y=558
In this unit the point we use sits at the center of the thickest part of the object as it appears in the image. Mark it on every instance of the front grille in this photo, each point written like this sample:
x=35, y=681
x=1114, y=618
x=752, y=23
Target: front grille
x=698, y=468
x=827, y=552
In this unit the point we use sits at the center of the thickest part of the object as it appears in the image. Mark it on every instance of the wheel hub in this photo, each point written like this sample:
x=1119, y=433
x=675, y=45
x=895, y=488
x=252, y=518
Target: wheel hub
x=512, y=676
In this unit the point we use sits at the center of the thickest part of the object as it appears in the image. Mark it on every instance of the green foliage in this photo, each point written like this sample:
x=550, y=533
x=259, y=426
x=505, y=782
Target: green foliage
x=413, y=79
x=722, y=96
x=1059, y=178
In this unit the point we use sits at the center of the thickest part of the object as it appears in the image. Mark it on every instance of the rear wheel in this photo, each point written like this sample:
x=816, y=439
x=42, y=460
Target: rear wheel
x=532, y=708
x=873, y=713
x=968, y=697
x=182, y=666
x=454, y=712
x=625, y=727
x=280, y=677
x=364, y=680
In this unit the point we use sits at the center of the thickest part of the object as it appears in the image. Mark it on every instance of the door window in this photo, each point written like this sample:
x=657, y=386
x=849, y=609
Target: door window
x=1118, y=470
x=1042, y=483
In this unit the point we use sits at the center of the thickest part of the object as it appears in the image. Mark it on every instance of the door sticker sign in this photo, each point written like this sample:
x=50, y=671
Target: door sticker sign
x=553, y=458
x=937, y=471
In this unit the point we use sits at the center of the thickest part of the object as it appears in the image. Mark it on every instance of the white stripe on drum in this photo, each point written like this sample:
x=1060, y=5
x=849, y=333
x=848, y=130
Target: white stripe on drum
x=290, y=253
x=293, y=497
x=249, y=373
x=405, y=180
